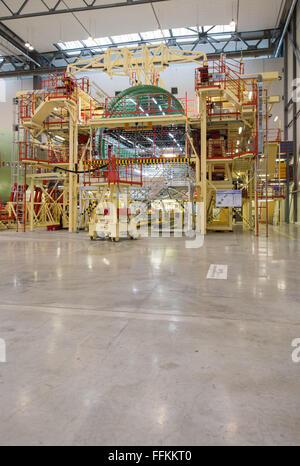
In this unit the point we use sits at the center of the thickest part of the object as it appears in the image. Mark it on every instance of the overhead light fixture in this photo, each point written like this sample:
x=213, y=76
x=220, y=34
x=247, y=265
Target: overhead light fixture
x=29, y=46
x=59, y=138
x=232, y=24
x=155, y=101
x=240, y=130
x=276, y=118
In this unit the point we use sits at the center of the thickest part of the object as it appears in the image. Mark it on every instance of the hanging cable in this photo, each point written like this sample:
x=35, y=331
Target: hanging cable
x=78, y=172
x=158, y=22
x=77, y=19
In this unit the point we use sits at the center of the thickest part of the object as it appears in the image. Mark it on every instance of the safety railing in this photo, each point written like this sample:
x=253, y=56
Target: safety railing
x=221, y=73
x=112, y=171
x=250, y=92
x=142, y=106
x=60, y=80
x=33, y=152
x=55, y=86
x=236, y=146
x=216, y=111
x=191, y=107
x=272, y=191
x=26, y=104
x=4, y=213
x=273, y=135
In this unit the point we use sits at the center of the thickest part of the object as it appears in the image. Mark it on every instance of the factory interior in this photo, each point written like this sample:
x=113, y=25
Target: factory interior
x=149, y=223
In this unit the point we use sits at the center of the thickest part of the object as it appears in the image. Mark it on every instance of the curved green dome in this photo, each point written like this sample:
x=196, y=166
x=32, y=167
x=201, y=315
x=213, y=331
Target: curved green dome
x=151, y=100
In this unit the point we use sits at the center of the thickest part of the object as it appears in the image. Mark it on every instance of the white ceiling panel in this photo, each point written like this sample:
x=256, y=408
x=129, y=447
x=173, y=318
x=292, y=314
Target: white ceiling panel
x=36, y=5
x=258, y=14
x=178, y=13
x=120, y=20
x=42, y=32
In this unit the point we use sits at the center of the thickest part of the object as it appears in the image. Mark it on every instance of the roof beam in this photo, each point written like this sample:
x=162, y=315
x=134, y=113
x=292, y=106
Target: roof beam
x=23, y=71
x=22, y=7
x=57, y=11
x=18, y=44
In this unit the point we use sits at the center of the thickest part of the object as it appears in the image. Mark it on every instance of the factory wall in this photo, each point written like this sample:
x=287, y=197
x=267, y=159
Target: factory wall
x=290, y=107
x=8, y=90
x=298, y=108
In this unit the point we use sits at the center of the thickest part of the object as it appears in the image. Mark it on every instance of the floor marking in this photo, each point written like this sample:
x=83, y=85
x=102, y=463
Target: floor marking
x=218, y=272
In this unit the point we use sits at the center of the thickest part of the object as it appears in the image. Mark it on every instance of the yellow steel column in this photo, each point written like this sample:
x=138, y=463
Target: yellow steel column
x=75, y=181
x=31, y=202
x=71, y=176
x=202, y=186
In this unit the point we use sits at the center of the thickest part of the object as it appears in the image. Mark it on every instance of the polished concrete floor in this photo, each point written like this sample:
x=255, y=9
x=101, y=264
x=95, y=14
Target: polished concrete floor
x=131, y=344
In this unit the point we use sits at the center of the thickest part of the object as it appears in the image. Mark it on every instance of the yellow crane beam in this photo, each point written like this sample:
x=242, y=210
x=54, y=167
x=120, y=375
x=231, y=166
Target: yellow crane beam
x=144, y=62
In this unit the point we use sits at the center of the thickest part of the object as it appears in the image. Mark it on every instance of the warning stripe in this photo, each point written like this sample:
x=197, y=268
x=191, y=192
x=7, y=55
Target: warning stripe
x=155, y=161
x=91, y=207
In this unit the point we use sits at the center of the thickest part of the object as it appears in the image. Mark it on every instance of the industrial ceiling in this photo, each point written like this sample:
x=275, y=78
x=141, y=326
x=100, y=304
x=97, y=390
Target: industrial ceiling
x=46, y=25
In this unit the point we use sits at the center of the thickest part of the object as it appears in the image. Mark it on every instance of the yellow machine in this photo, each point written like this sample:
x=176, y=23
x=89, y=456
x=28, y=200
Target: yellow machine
x=218, y=141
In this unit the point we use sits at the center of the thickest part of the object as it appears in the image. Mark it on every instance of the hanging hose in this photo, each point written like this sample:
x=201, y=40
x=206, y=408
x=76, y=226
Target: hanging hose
x=78, y=172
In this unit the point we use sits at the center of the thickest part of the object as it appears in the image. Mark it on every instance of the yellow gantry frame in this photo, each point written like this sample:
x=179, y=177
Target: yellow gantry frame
x=145, y=62
x=142, y=65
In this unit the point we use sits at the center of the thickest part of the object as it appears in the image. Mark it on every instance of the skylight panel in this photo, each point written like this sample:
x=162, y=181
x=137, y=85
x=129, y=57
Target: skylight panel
x=150, y=35
x=183, y=32
x=96, y=42
x=89, y=43
x=152, y=42
x=217, y=32
x=194, y=29
x=222, y=28
x=74, y=44
x=126, y=38
x=98, y=50
x=103, y=41
x=190, y=39
x=62, y=46
x=220, y=36
x=207, y=28
x=72, y=54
